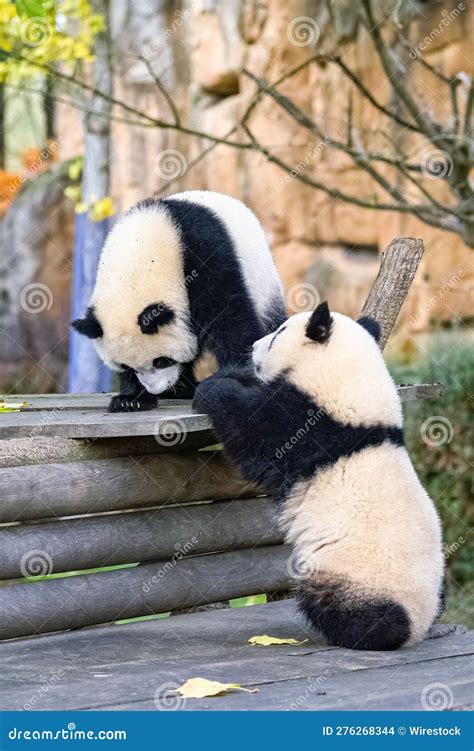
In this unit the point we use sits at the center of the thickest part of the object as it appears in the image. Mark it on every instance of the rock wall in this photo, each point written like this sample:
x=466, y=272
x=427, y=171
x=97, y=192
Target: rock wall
x=199, y=49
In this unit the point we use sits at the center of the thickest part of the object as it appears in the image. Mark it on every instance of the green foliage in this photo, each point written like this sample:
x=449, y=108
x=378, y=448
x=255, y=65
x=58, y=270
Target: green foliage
x=439, y=434
x=38, y=33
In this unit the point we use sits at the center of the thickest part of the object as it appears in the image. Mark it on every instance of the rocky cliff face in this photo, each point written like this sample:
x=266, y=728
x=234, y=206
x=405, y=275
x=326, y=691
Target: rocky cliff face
x=200, y=49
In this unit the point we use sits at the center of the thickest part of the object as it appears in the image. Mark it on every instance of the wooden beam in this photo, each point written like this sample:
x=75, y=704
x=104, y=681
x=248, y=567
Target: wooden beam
x=73, y=488
x=76, y=601
x=160, y=534
x=398, y=267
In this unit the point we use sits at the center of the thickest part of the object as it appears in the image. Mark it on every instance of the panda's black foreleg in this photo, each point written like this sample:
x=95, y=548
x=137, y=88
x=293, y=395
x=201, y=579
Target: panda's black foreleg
x=133, y=395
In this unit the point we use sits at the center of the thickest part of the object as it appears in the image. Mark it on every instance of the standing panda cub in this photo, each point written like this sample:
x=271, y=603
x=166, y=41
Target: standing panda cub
x=319, y=422
x=177, y=278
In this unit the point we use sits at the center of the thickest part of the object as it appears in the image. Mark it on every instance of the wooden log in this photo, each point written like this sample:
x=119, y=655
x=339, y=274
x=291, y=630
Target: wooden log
x=140, y=536
x=165, y=422
x=77, y=601
x=53, y=490
x=24, y=451
x=397, y=269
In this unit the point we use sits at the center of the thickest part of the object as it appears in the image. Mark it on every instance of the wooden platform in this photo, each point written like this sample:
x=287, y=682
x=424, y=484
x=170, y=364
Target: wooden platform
x=136, y=490
x=137, y=666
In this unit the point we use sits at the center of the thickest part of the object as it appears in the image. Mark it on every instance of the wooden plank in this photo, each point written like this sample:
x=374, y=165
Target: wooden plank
x=74, y=488
x=62, y=416
x=398, y=267
x=88, y=423
x=125, y=665
x=140, y=536
x=80, y=401
x=17, y=452
x=157, y=587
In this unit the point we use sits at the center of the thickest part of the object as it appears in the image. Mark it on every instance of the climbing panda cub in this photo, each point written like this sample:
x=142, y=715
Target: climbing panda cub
x=319, y=422
x=177, y=278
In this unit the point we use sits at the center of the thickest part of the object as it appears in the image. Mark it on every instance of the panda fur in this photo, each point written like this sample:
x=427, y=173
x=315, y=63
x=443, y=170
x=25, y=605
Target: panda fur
x=179, y=277
x=319, y=422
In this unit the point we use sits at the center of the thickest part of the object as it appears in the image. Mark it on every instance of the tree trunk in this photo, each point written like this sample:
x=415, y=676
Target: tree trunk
x=86, y=371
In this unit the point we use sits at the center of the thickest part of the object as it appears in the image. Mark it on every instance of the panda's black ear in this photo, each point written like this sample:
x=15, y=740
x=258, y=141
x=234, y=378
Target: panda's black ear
x=153, y=316
x=89, y=325
x=319, y=325
x=370, y=325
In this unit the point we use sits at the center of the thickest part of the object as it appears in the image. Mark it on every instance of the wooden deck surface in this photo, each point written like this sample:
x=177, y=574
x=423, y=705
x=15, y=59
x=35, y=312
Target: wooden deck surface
x=137, y=666
x=85, y=416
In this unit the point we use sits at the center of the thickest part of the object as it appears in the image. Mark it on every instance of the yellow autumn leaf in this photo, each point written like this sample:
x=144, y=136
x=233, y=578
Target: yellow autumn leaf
x=75, y=169
x=198, y=688
x=12, y=406
x=73, y=192
x=268, y=641
x=102, y=209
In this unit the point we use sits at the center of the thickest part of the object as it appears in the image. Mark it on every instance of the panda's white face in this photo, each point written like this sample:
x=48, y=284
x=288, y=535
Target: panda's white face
x=139, y=310
x=336, y=361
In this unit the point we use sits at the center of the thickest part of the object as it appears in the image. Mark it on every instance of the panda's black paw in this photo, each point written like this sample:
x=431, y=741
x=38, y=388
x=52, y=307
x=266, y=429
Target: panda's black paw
x=136, y=403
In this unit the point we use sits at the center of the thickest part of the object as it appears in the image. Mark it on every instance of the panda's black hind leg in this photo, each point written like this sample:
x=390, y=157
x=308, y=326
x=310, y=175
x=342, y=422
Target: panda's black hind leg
x=133, y=396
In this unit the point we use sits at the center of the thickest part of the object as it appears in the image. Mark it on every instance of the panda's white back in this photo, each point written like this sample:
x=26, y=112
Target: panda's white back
x=251, y=246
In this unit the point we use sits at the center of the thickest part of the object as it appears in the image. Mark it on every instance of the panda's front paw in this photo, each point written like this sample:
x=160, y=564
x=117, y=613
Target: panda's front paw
x=136, y=403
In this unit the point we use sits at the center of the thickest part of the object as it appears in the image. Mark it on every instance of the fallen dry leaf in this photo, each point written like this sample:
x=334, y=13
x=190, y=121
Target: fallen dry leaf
x=268, y=641
x=12, y=406
x=198, y=688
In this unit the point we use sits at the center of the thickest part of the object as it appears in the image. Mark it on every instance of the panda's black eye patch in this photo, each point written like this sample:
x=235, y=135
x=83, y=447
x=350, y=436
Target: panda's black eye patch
x=153, y=316
x=163, y=362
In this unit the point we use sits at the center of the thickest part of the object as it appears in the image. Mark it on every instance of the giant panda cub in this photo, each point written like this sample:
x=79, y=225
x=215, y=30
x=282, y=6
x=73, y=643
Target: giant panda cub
x=179, y=277
x=319, y=422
